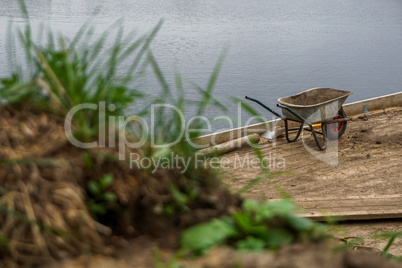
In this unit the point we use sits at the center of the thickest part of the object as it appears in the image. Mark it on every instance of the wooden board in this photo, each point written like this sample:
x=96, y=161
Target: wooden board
x=351, y=207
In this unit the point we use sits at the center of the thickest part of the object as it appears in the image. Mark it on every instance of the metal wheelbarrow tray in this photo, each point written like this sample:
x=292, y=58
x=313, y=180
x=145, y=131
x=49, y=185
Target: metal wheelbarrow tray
x=311, y=107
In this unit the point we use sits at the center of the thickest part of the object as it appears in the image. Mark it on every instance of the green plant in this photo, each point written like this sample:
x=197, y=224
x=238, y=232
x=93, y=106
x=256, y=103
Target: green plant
x=391, y=236
x=101, y=200
x=180, y=200
x=256, y=226
x=59, y=74
x=350, y=242
x=168, y=125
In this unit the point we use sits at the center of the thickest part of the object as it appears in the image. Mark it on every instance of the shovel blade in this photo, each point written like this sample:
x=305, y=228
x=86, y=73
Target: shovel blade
x=270, y=134
x=273, y=133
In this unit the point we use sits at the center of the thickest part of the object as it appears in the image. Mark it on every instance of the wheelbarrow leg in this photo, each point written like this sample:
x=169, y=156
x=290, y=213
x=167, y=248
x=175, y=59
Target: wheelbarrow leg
x=321, y=147
x=287, y=131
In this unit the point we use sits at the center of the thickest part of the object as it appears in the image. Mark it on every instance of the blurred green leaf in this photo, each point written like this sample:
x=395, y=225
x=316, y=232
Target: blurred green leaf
x=387, y=235
x=203, y=236
x=181, y=198
x=94, y=188
x=162, y=152
x=251, y=243
x=358, y=241
x=110, y=197
x=247, y=107
x=250, y=185
x=278, y=237
x=3, y=240
x=298, y=223
x=250, y=205
x=243, y=221
x=87, y=160
x=106, y=181
x=391, y=236
x=211, y=84
x=97, y=209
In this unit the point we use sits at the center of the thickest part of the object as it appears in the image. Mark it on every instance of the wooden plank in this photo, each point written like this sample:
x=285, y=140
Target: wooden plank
x=358, y=215
x=351, y=207
x=371, y=197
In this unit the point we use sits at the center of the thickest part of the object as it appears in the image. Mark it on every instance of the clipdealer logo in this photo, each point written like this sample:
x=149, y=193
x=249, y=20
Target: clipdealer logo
x=112, y=131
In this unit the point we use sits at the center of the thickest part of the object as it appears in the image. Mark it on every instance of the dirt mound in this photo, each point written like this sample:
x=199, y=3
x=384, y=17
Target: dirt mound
x=44, y=194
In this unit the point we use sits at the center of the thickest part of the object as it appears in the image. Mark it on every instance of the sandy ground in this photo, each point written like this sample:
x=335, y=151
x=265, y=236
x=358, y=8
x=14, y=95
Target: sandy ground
x=364, y=162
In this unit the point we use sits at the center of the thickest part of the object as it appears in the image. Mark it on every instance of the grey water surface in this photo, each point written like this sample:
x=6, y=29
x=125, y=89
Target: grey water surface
x=275, y=48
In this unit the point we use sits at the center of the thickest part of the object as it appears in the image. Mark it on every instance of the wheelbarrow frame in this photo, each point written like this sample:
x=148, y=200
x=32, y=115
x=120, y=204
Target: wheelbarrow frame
x=302, y=122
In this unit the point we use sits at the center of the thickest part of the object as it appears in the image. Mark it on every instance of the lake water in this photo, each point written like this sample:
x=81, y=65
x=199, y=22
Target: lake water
x=275, y=47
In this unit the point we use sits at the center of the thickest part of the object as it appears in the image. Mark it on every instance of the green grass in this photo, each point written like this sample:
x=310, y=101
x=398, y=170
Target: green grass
x=65, y=73
x=391, y=237
x=59, y=74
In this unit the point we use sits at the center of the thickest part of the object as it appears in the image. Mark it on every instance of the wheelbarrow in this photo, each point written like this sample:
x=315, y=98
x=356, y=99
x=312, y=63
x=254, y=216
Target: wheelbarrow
x=316, y=106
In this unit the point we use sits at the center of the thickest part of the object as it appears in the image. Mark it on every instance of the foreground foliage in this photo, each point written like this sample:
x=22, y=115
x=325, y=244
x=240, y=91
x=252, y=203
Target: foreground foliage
x=256, y=226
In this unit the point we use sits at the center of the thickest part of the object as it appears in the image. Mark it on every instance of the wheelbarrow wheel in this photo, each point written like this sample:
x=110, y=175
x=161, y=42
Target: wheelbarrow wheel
x=334, y=131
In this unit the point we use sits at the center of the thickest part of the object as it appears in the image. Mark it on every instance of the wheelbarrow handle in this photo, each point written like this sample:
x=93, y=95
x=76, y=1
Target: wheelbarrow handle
x=263, y=105
x=293, y=112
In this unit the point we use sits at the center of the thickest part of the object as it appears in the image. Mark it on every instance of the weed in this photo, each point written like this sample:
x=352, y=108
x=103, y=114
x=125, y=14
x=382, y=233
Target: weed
x=391, y=236
x=168, y=125
x=181, y=199
x=101, y=200
x=349, y=242
x=63, y=74
x=359, y=241
x=256, y=226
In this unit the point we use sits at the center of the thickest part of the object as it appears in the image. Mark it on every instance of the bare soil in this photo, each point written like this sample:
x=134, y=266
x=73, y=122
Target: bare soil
x=44, y=190
x=366, y=163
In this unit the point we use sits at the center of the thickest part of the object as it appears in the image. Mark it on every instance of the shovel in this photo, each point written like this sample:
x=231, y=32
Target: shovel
x=278, y=131
x=273, y=133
